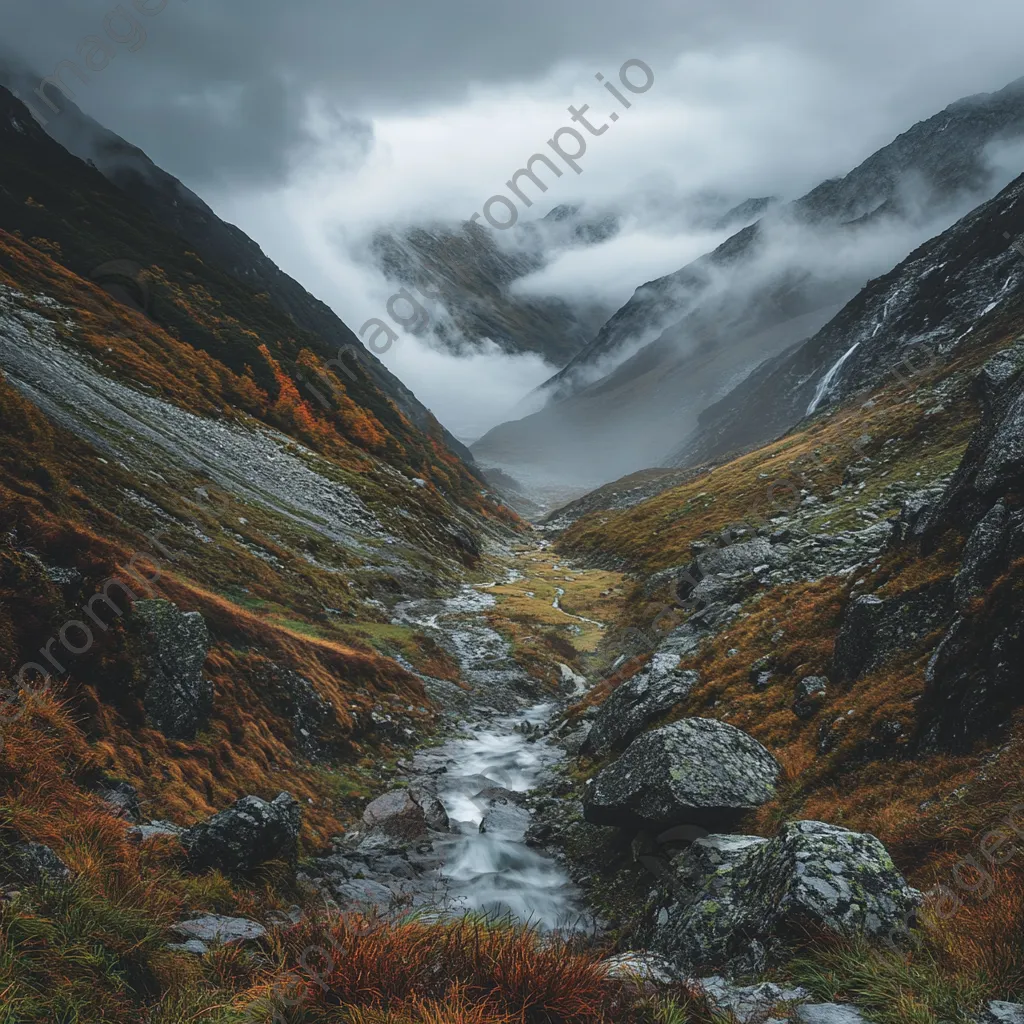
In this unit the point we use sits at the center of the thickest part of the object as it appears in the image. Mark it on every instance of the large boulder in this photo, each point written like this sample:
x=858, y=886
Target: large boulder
x=249, y=833
x=177, y=698
x=633, y=706
x=739, y=905
x=874, y=631
x=697, y=771
x=406, y=814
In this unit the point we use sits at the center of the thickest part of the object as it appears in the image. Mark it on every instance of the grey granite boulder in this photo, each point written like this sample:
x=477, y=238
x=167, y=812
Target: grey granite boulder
x=741, y=914
x=405, y=814
x=155, y=830
x=177, y=698
x=1003, y=1013
x=697, y=771
x=506, y=820
x=747, y=1004
x=636, y=703
x=250, y=832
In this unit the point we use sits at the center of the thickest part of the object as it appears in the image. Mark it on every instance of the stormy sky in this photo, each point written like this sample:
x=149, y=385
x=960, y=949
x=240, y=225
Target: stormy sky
x=310, y=123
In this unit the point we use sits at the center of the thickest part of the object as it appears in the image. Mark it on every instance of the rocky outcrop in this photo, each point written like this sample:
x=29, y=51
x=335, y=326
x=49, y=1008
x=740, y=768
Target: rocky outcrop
x=874, y=631
x=740, y=902
x=177, y=698
x=636, y=703
x=506, y=819
x=249, y=833
x=315, y=729
x=984, y=554
x=696, y=771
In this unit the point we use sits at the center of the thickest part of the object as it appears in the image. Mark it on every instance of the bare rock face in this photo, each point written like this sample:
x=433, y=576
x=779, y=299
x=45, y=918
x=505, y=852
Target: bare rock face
x=177, y=698
x=739, y=903
x=697, y=771
x=249, y=833
x=638, y=702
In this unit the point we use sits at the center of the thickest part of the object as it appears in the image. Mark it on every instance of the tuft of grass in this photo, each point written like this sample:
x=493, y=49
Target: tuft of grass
x=913, y=986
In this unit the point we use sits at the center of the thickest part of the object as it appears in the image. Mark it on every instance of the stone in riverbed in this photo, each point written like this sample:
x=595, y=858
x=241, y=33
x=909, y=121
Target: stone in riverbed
x=406, y=814
x=697, y=771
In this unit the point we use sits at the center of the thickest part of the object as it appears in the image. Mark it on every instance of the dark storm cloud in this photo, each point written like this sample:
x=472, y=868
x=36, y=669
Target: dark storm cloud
x=219, y=90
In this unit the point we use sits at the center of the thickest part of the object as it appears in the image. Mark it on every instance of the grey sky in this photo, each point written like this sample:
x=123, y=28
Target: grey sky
x=218, y=86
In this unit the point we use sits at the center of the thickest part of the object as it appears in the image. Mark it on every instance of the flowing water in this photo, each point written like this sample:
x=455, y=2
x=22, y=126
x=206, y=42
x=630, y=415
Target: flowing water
x=477, y=773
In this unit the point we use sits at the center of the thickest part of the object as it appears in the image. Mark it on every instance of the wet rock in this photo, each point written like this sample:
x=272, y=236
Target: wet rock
x=507, y=820
x=249, y=833
x=214, y=928
x=573, y=683
x=984, y=555
x=573, y=742
x=177, y=698
x=743, y=914
x=829, y=1013
x=36, y=864
x=973, y=679
x=685, y=639
x=992, y=466
x=406, y=814
x=636, y=703
x=434, y=813
x=810, y=692
x=696, y=771
x=873, y=631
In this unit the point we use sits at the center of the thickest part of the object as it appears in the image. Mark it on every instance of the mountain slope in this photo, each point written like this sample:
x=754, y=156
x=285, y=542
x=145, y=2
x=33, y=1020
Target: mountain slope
x=472, y=276
x=927, y=308
x=219, y=244
x=770, y=286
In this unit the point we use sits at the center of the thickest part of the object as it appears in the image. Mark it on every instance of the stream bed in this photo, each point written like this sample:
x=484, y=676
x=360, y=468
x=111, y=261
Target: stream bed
x=452, y=839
